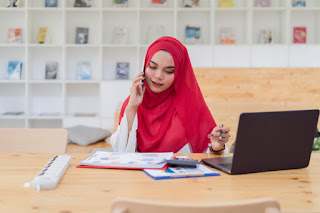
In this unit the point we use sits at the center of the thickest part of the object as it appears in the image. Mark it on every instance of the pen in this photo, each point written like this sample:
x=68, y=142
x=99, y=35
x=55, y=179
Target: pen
x=220, y=137
x=209, y=135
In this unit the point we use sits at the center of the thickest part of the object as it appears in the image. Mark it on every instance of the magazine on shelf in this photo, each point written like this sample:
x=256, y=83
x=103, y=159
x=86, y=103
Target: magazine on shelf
x=120, y=35
x=14, y=3
x=14, y=70
x=159, y=3
x=226, y=3
x=120, y=3
x=51, y=70
x=299, y=35
x=266, y=36
x=154, y=32
x=298, y=3
x=191, y=3
x=13, y=113
x=84, y=70
x=15, y=35
x=121, y=160
x=83, y=3
x=263, y=3
x=51, y=3
x=192, y=35
x=42, y=35
x=82, y=34
x=227, y=35
x=122, y=70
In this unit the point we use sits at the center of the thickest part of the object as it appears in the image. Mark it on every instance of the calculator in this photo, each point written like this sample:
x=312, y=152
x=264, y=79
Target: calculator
x=183, y=162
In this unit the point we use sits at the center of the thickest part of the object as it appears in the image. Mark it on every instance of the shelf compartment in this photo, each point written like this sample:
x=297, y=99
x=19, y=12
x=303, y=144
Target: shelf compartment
x=41, y=4
x=96, y=4
x=82, y=98
x=307, y=19
x=12, y=99
x=12, y=123
x=130, y=4
x=44, y=123
x=39, y=57
x=236, y=20
x=185, y=18
x=77, y=55
x=52, y=20
x=16, y=19
x=112, y=55
x=11, y=54
x=270, y=20
x=45, y=100
x=152, y=25
x=123, y=20
x=75, y=19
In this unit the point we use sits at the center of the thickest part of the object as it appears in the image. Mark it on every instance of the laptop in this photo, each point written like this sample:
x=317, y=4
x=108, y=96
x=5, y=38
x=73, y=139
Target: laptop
x=270, y=141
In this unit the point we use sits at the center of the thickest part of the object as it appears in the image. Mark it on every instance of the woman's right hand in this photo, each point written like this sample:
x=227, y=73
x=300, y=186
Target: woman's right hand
x=136, y=96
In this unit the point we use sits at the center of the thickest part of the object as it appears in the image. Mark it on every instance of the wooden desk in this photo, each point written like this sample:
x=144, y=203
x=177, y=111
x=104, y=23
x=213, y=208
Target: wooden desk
x=92, y=190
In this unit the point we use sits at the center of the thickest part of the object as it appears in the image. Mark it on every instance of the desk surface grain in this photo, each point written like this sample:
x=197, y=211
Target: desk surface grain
x=92, y=190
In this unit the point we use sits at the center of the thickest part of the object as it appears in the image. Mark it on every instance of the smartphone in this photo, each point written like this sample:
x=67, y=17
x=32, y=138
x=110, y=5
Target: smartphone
x=141, y=86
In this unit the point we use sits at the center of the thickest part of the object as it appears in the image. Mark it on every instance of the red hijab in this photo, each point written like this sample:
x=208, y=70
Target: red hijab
x=167, y=121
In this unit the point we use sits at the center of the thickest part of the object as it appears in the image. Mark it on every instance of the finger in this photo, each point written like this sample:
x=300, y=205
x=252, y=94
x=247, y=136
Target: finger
x=225, y=129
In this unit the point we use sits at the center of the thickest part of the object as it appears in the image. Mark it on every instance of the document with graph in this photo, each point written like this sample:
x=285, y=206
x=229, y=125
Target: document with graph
x=121, y=160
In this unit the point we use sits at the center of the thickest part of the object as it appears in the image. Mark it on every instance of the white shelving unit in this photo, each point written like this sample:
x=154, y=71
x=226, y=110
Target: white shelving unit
x=53, y=103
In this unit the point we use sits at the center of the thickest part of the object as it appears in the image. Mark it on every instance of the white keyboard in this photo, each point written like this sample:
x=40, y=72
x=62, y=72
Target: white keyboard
x=51, y=173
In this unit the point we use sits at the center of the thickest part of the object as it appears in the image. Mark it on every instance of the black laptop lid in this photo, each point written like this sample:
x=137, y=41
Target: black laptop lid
x=269, y=141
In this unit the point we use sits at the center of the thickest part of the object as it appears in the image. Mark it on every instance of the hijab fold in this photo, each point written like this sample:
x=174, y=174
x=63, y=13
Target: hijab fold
x=167, y=121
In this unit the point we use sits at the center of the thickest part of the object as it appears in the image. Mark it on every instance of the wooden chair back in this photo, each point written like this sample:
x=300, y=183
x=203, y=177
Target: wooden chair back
x=263, y=205
x=33, y=140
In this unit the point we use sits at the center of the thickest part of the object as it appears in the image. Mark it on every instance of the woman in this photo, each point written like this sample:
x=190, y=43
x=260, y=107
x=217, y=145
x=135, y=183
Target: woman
x=165, y=111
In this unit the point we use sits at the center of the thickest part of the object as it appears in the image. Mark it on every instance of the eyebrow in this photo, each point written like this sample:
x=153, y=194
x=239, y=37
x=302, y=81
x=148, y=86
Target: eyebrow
x=158, y=65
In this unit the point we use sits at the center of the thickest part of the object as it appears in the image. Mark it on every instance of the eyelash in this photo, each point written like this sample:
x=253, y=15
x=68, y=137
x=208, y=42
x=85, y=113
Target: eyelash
x=153, y=68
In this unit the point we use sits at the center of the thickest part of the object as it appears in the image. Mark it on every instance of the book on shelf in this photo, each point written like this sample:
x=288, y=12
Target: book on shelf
x=227, y=35
x=298, y=3
x=82, y=34
x=190, y=3
x=14, y=3
x=299, y=35
x=51, y=3
x=192, y=34
x=84, y=70
x=226, y=3
x=122, y=160
x=265, y=36
x=85, y=114
x=120, y=3
x=14, y=70
x=155, y=31
x=159, y=3
x=263, y=3
x=83, y=3
x=51, y=70
x=42, y=35
x=120, y=35
x=122, y=70
x=15, y=35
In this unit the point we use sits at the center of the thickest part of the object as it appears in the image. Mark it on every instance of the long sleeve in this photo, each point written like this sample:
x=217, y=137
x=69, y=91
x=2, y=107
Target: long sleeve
x=120, y=141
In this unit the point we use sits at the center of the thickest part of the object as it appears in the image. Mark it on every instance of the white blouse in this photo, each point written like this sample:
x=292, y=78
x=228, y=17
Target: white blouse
x=121, y=143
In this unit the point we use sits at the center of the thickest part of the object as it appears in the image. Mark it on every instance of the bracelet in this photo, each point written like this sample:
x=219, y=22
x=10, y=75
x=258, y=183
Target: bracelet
x=219, y=152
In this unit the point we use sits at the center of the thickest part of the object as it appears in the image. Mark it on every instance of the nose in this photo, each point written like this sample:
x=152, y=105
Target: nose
x=158, y=74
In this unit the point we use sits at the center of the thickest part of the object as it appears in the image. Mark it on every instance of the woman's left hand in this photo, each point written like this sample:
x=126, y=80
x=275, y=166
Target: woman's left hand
x=219, y=136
